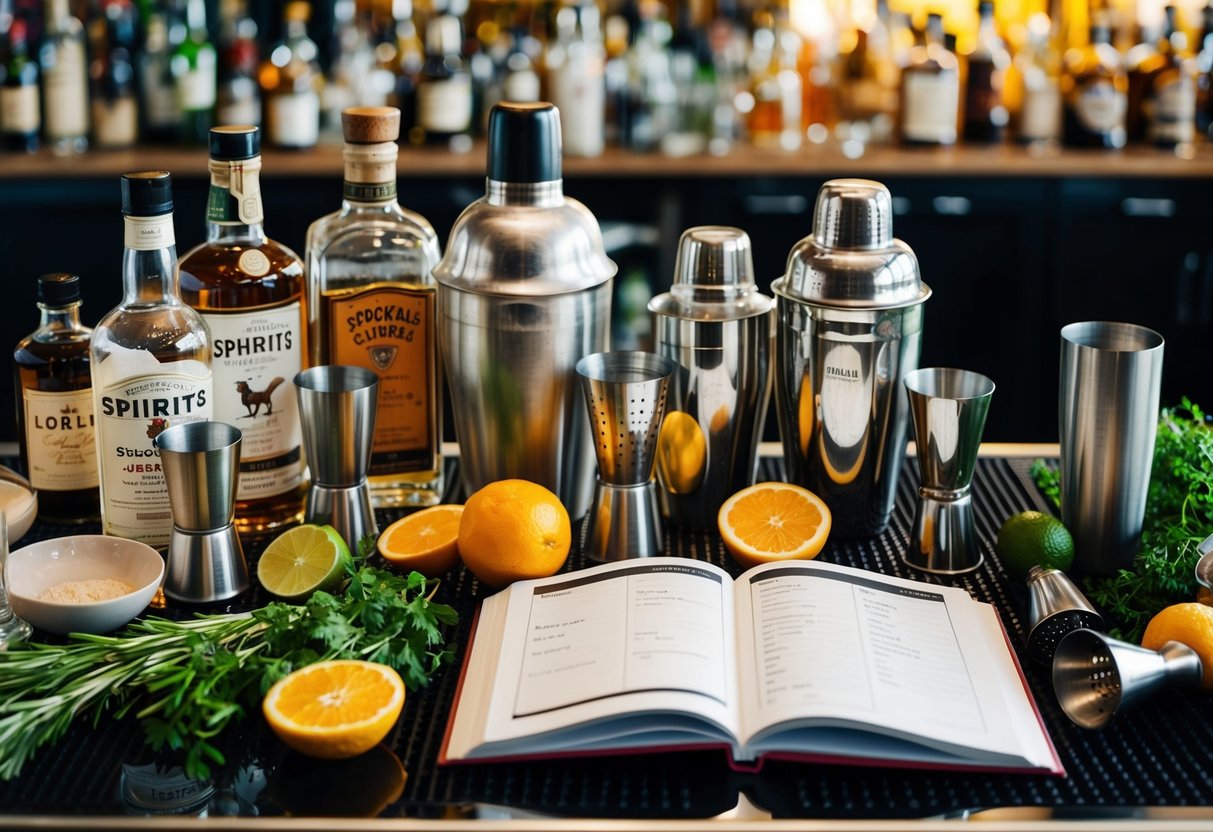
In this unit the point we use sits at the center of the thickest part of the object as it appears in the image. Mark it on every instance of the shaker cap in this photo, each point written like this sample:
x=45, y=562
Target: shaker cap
x=713, y=277
x=235, y=142
x=524, y=142
x=851, y=260
x=147, y=193
x=58, y=289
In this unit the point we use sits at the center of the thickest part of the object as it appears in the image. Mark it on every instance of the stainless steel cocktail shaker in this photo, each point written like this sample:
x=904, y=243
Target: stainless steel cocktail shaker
x=717, y=326
x=849, y=328
x=524, y=293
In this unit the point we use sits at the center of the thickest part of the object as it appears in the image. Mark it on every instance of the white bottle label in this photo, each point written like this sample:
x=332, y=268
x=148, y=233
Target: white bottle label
x=66, y=92
x=1172, y=115
x=149, y=233
x=116, y=123
x=256, y=357
x=1101, y=108
x=445, y=106
x=196, y=87
x=932, y=104
x=19, y=109
x=578, y=90
x=130, y=415
x=295, y=119
x=60, y=442
x=1040, y=118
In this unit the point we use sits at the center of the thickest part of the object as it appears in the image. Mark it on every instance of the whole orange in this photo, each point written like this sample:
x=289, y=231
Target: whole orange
x=512, y=530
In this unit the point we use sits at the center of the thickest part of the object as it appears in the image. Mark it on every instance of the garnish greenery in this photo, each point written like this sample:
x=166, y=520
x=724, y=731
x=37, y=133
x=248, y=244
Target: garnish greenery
x=1179, y=515
x=188, y=680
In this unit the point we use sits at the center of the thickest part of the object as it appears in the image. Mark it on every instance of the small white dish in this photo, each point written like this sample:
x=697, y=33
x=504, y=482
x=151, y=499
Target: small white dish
x=36, y=568
x=20, y=507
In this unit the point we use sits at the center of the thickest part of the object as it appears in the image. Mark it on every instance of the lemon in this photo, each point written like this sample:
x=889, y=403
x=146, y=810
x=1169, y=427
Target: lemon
x=1032, y=538
x=1191, y=624
x=302, y=560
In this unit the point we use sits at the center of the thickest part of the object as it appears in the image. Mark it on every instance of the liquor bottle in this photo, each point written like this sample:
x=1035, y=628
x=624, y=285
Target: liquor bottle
x=521, y=82
x=195, y=65
x=356, y=74
x=775, y=120
x=249, y=290
x=159, y=110
x=444, y=89
x=575, y=75
x=1038, y=77
x=1142, y=62
x=64, y=80
x=151, y=363
x=930, y=91
x=868, y=89
x=238, y=98
x=1204, y=74
x=1169, y=106
x=291, y=82
x=651, y=98
x=20, y=116
x=115, y=106
x=1094, y=90
x=55, y=405
x=371, y=303
x=985, y=112
x=408, y=60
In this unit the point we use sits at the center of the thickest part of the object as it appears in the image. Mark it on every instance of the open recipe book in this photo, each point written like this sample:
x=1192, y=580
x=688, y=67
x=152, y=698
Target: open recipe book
x=791, y=660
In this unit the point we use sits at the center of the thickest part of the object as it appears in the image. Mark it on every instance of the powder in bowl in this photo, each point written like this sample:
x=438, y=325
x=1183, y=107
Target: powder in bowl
x=86, y=592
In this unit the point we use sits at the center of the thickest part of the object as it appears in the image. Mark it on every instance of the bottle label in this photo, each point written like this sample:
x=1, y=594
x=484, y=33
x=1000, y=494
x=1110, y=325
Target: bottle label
x=19, y=109
x=235, y=195
x=130, y=415
x=295, y=119
x=196, y=86
x=115, y=123
x=60, y=442
x=1171, y=113
x=930, y=104
x=370, y=172
x=445, y=106
x=1040, y=117
x=257, y=355
x=149, y=233
x=1100, y=107
x=66, y=92
x=390, y=332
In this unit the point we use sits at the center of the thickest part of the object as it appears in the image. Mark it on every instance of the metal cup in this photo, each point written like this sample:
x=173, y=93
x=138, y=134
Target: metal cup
x=337, y=411
x=201, y=462
x=13, y=628
x=1056, y=607
x=1110, y=379
x=625, y=395
x=949, y=409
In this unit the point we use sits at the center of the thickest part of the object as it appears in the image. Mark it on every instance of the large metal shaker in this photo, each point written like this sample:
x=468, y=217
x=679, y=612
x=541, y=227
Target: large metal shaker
x=524, y=293
x=717, y=326
x=848, y=329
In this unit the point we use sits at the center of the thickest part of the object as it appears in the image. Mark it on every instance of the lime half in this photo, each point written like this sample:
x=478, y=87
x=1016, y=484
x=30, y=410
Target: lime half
x=302, y=560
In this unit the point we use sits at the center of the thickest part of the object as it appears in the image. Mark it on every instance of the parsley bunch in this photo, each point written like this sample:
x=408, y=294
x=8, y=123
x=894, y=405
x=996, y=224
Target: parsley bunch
x=186, y=681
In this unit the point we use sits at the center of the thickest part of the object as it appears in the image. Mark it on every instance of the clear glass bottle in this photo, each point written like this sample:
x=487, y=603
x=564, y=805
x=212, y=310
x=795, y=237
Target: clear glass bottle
x=985, y=110
x=371, y=303
x=1094, y=88
x=114, y=102
x=159, y=110
x=249, y=290
x=64, y=65
x=195, y=68
x=238, y=99
x=575, y=79
x=151, y=365
x=1038, y=78
x=868, y=89
x=444, y=89
x=292, y=82
x=930, y=91
x=1204, y=73
x=54, y=398
x=20, y=114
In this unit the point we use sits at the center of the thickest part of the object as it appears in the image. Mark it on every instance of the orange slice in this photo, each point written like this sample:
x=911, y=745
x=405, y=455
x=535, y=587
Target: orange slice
x=773, y=521
x=425, y=541
x=335, y=709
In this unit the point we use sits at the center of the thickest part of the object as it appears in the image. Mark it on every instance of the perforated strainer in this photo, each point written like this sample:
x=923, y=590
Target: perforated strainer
x=1055, y=607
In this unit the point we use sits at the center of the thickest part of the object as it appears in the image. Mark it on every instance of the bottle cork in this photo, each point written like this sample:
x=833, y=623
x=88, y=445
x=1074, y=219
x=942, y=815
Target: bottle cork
x=370, y=125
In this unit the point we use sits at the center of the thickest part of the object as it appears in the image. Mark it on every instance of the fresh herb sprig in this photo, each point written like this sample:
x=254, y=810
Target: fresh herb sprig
x=186, y=681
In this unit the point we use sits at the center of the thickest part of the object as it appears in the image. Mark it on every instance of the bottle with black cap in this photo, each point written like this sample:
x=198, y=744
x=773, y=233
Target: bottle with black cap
x=55, y=411
x=151, y=363
x=524, y=293
x=249, y=290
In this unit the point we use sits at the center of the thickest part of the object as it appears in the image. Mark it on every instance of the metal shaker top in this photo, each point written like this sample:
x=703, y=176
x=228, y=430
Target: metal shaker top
x=851, y=260
x=713, y=278
x=524, y=238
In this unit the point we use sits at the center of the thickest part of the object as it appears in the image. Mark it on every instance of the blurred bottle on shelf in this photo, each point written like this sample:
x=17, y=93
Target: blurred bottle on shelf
x=930, y=90
x=1168, y=106
x=113, y=100
x=1204, y=76
x=985, y=111
x=409, y=56
x=576, y=67
x=1038, y=80
x=444, y=88
x=238, y=99
x=64, y=64
x=355, y=69
x=291, y=83
x=521, y=82
x=729, y=43
x=194, y=66
x=869, y=77
x=651, y=98
x=1094, y=88
x=20, y=116
x=159, y=110
x=775, y=86
x=1143, y=61
x=694, y=75
x=616, y=35
x=816, y=64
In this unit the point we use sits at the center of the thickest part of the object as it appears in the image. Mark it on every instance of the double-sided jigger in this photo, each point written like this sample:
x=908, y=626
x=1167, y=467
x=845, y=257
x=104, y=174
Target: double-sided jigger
x=625, y=396
x=1056, y=607
x=337, y=407
x=201, y=462
x=949, y=411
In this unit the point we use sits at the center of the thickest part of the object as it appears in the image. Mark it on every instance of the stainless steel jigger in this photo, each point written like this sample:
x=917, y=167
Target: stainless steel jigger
x=949, y=412
x=337, y=410
x=625, y=396
x=201, y=462
x=1056, y=607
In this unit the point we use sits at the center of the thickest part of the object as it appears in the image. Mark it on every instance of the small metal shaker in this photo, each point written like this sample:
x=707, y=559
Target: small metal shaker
x=524, y=293
x=848, y=328
x=717, y=326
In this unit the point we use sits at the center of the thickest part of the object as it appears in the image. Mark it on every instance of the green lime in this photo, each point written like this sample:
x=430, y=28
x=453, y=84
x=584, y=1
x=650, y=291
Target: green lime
x=302, y=560
x=1032, y=538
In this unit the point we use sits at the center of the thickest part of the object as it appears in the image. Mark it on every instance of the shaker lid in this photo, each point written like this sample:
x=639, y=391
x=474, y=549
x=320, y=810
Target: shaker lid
x=851, y=260
x=524, y=142
x=713, y=277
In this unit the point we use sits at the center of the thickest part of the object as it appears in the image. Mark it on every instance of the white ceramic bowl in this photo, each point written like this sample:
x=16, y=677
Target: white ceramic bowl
x=36, y=568
x=20, y=507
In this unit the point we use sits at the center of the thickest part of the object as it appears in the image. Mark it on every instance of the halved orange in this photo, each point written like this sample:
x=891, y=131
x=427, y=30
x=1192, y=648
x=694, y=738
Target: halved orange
x=335, y=709
x=773, y=521
x=425, y=541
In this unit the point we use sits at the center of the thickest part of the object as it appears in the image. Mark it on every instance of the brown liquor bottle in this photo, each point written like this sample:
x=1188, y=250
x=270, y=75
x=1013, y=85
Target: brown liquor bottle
x=55, y=406
x=1094, y=89
x=930, y=91
x=249, y=290
x=985, y=113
